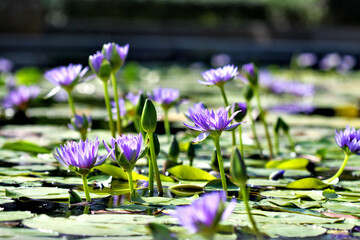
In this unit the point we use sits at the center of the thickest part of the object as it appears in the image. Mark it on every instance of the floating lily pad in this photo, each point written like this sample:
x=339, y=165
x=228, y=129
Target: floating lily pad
x=14, y=215
x=307, y=183
x=292, y=231
x=295, y=163
x=190, y=173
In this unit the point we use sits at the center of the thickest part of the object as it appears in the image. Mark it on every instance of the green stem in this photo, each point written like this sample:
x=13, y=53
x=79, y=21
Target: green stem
x=248, y=211
x=131, y=183
x=71, y=104
x=116, y=97
x=108, y=107
x=221, y=163
x=155, y=165
x=223, y=94
x=263, y=120
x=86, y=210
x=167, y=124
x=253, y=127
x=151, y=178
x=339, y=172
x=86, y=187
x=83, y=135
x=241, y=142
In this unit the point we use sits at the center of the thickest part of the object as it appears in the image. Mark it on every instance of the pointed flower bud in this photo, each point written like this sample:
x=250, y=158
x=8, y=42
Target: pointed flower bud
x=174, y=150
x=250, y=72
x=100, y=66
x=149, y=117
x=81, y=124
x=248, y=93
x=242, y=107
x=191, y=153
x=238, y=168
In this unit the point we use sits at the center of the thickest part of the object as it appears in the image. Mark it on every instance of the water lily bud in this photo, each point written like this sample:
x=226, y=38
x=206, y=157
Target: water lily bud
x=251, y=73
x=149, y=117
x=191, y=151
x=100, y=66
x=115, y=54
x=174, y=150
x=238, y=167
x=140, y=105
x=248, y=93
x=243, y=110
x=214, y=161
x=281, y=124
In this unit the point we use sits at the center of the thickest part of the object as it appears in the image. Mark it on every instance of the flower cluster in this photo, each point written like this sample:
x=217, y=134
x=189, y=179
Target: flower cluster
x=18, y=98
x=348, y=140
x=204, y=214
x=219, y=75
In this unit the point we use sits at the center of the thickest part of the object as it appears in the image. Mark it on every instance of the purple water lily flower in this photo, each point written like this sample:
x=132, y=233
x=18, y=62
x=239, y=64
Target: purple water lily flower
x=211, y=122
x=122, y=107
x=204, y=214
x=81, y=123
x=330, y=61
x=219, y=76
x=66, y=77
x=134, y=98
x=306, y=60
x=165, y=96
x=277, y=86
x=348, y=62
x=129, y=145
x=197, y=107
x=83, y=155
x=348, y=140
x=96, y=60
x=18, y=98
x=122, y=52
x=6, y=65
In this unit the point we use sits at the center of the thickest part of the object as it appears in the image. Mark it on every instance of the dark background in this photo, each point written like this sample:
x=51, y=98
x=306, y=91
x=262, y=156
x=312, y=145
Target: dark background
x=48, y=33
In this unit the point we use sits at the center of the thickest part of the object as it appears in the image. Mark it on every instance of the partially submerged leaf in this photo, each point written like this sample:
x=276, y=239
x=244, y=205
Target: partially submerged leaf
x=295, y=163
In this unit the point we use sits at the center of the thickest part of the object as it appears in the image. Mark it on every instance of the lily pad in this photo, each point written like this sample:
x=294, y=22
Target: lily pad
x=190, y=173
x=307, y=183
x=295, y=163
x=14, y=215
x=292, y=231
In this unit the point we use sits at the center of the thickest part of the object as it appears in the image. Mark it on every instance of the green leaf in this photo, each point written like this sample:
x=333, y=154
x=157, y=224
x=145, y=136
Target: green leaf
x=72, y=225
x=190, y=173
x=295, y=163
x=14, y=215
x=185, y=190
x=25, y=146
x=118, y=173
x=161, y=232
x=293, y=194
x=293, y=231
x=330, y=193
x=28, y=76
x=307, y=183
